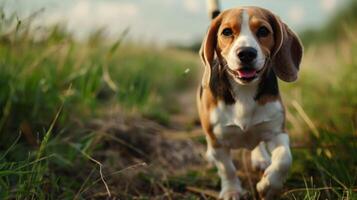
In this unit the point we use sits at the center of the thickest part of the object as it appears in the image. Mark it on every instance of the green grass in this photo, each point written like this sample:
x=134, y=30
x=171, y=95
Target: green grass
x=53, y=86
x=342, y=24
x=328, y=97
x=38, y=76
x=326, y=91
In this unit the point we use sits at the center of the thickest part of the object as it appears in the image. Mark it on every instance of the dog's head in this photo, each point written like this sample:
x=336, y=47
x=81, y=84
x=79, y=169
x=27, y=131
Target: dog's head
x=249, y=40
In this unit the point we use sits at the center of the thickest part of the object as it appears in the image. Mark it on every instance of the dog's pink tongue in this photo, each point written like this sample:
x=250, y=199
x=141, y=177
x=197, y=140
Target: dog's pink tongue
x=247, y=73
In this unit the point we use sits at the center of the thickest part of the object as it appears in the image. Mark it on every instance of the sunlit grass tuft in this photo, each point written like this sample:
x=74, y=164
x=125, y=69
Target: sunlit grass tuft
x=42, y=69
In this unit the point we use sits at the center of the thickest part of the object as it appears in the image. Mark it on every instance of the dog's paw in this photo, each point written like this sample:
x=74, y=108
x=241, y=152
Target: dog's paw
x=229, y=195
x=232, y=192
x=263, y=187
x=268, y=188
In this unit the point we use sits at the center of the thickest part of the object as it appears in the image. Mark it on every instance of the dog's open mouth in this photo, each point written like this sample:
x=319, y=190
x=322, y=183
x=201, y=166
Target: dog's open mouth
x=245, y=74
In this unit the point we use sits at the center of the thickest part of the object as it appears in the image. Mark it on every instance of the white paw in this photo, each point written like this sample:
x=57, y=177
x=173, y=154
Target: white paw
x=268, y=188
x=230, y=195
x=259, y=162
x=263, y=186
x=232, y=192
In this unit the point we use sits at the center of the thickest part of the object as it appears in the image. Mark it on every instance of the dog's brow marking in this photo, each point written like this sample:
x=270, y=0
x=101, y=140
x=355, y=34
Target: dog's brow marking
x=245, y=31
x=245, y=38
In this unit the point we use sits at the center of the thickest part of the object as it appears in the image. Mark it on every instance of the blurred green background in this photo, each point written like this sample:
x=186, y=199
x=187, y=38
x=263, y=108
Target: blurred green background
x=98, y=99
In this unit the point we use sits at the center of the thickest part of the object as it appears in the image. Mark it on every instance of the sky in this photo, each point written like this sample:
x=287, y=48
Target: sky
x=162, y=21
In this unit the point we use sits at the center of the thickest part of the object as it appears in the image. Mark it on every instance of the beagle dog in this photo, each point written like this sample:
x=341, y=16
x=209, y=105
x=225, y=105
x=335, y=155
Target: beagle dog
x=239, y=105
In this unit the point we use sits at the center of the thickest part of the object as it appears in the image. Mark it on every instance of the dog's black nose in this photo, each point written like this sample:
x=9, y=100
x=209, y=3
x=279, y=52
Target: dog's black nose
x=247, y=54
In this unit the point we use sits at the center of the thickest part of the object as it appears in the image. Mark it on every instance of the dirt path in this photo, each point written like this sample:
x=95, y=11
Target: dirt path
x=146, y=159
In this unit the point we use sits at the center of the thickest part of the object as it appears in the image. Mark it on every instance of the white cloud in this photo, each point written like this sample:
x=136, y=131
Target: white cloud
x=192, y=6
x=79, y=13
x=101, y=13
x=117, y=8
x=168, y=2
x=86, y=15
x=328, y=5
x=296, y=14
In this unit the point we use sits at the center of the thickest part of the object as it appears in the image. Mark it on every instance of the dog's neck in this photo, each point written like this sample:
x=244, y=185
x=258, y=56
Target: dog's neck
x=264, y=90
x=243, y=92
x=268, y=89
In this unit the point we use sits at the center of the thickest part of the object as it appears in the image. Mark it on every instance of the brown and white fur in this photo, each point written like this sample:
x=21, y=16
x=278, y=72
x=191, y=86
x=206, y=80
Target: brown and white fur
x=238, y=100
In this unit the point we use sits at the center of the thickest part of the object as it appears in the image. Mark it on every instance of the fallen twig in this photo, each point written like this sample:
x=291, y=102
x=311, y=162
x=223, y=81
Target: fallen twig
x=100, y=172
x=206, y=192
x=315, y=189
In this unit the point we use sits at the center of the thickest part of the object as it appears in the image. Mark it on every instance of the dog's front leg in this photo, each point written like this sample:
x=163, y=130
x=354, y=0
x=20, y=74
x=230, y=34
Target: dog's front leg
x=230, y=185
x=275, y=175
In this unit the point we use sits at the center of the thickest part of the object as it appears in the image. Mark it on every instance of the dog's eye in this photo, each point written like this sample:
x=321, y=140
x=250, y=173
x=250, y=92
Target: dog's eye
x=227, y=32
x=263, y=32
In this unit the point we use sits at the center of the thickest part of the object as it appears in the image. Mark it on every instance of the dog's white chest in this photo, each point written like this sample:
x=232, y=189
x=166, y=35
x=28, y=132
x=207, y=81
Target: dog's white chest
x=245, y=125
x=245, y=115
x=246, y=122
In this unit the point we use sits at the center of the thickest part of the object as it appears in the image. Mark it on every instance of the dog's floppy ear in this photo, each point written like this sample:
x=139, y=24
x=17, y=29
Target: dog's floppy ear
x=287, y=52
x=208, y=48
